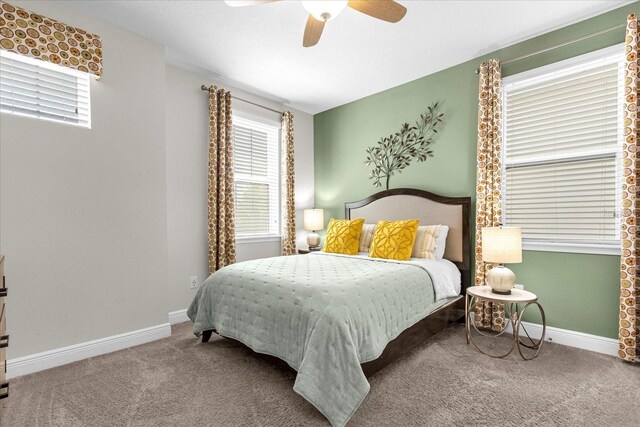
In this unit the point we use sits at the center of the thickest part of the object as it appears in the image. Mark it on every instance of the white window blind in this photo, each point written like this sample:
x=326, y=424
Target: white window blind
x=257, y=182
x=35, y=88
x=562, y=136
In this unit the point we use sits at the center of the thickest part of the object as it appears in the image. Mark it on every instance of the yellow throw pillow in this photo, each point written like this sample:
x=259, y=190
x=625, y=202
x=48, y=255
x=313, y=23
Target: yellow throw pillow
x=394, y=239
x=426, y=241
x=366, y=237
x=343, y=236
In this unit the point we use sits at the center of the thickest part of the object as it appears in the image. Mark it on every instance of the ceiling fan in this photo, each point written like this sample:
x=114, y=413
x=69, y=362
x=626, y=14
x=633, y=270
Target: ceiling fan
x=321, y=11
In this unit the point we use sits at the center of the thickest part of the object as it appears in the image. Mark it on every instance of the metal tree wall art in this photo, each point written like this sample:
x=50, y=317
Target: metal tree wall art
x=395, y=152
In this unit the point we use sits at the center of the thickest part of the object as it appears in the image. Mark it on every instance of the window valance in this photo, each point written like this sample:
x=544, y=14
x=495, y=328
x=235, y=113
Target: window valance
x=43, y=38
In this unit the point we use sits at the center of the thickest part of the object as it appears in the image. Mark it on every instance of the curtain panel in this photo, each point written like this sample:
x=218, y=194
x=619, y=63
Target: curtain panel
x=488, y=182
x=30, y=34
x=288, y=186
x=629, y=330
x=221, y=204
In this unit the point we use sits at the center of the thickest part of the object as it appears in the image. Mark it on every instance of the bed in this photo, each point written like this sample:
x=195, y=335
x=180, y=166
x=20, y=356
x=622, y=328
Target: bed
x=338, y=319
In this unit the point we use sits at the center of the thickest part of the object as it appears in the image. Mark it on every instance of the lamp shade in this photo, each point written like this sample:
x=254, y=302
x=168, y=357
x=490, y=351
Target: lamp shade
x=313, y=219
x=502, y=245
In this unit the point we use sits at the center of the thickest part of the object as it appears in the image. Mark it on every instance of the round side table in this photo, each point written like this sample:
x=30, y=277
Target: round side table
x=510, y=302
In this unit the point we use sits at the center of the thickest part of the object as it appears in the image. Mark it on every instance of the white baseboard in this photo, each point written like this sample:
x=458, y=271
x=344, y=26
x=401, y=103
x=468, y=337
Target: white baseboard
x=61, y=356
x=178, y=316
x=569, y=338
x=572, y=338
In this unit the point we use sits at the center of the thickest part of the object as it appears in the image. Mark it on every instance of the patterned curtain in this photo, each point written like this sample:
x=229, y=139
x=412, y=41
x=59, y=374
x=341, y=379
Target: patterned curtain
x=488, y=182
x=288, y=187
x=629, y=333
x=30, y=34
x=222, y=239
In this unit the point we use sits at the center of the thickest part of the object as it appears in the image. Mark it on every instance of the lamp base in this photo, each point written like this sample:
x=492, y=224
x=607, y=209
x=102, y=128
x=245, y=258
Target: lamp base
x=501, y=280
x=313, y=240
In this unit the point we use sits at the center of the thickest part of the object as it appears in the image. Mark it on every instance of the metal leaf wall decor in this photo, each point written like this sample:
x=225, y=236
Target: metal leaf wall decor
x=395, y=152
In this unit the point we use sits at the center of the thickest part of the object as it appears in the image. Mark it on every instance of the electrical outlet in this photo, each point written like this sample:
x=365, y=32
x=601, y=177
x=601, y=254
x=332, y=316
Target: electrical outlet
x=193, y=282
x=521, y=287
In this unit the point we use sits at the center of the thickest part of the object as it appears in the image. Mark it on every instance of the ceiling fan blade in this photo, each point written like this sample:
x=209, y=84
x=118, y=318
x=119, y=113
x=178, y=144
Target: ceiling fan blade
x=312, y=31
x=387, y=10
x=241, y=3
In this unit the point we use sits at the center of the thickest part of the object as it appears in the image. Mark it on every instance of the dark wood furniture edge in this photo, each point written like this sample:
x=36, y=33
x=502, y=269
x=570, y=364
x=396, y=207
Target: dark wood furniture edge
x=4, y=390
x=206, y=335
x=416, y=335
x=4, y=339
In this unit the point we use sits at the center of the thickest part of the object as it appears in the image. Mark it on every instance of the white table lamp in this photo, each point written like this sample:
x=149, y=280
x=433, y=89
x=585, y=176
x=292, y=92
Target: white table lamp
x=313, y=221
x=501, y=245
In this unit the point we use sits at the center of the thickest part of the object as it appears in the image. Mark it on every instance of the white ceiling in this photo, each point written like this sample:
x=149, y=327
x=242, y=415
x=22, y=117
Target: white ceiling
x=259, y=48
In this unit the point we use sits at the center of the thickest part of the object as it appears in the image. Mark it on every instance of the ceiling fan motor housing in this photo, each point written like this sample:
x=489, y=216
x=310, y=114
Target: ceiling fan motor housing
x=324, y=10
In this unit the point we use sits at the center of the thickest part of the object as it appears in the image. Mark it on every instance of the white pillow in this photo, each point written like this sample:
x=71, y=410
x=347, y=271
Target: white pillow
x=441, y=242
x=426, y=241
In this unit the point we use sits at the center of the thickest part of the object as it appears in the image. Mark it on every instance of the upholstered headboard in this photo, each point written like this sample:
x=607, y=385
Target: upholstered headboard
x=430, y=209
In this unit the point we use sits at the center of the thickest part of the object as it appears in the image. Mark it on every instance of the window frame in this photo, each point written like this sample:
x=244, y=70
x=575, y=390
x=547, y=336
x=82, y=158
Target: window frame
x=262, y=238
x=83, y=81
x=587, y=247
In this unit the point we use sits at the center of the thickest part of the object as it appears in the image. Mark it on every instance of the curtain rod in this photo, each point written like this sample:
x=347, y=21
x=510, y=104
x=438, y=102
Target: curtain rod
x=203, y=87
x=559, y=45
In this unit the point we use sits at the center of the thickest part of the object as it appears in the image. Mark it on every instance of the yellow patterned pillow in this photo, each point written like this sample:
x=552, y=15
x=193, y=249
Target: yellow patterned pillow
x=426, y=239
x=366, y=237
x=343, y=236
x=394, y=239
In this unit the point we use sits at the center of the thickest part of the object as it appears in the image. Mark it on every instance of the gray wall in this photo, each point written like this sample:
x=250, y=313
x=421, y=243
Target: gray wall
x=83, y=212
x=102, y=227
x=187, y=124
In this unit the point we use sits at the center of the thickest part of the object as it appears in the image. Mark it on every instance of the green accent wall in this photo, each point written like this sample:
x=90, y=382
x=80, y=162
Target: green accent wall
x=579, y=292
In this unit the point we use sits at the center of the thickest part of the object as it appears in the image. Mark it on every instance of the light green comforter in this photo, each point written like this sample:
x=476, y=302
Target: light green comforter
x=323, y=315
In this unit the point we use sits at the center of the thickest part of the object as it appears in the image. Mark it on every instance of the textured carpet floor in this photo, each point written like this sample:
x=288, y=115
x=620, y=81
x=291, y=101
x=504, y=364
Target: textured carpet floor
x=179, y=382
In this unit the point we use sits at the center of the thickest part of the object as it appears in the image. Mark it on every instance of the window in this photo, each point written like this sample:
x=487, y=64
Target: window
x=257, y=178
x=35, y=88
x=562, y=166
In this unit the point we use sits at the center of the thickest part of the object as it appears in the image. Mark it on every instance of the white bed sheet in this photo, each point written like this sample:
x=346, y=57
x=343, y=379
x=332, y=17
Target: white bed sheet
x=446, y=278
